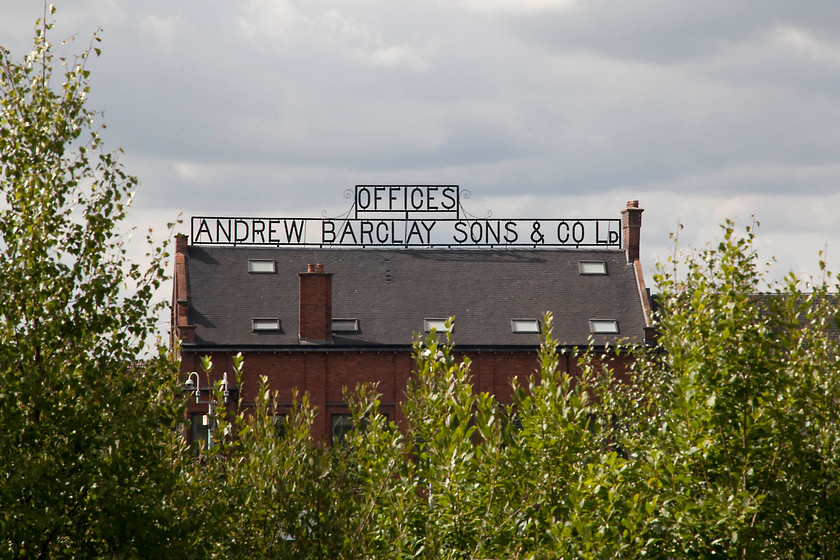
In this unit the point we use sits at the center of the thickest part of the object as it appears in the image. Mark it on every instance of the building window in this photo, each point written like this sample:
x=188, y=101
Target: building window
x=438, y=325
x=345, y=325
x=280, y=426
x=340, y=426
x=262, y=266
x=512, y=422
x=603, y=326
x=265, y=324
x=594, y=268
x=525, y=326
x=198, y=432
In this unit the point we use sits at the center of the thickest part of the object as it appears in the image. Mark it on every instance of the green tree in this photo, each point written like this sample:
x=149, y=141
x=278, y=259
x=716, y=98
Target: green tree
x=261, y=492
x=735, y=416
x=88, y=448
x=724, y=442
x=454, y=438
x=578, y=494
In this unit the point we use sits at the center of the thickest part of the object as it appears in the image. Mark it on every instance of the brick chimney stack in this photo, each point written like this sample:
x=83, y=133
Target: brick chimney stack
x=315, y=305
x=180, y=328
x=181, y=244
x=631, y=226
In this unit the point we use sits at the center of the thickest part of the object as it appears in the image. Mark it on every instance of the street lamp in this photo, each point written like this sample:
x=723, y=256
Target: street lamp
x=209, y=419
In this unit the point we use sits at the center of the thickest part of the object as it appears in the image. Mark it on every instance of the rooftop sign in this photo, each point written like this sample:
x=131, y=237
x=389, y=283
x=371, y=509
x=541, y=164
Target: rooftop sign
x=406, y=216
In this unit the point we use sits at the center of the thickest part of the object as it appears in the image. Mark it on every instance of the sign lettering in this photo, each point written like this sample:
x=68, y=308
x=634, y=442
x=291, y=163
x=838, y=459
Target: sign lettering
x=406, y=199
x=406, y=216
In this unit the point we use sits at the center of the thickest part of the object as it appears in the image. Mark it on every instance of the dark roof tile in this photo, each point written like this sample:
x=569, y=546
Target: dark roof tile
x=390, y=292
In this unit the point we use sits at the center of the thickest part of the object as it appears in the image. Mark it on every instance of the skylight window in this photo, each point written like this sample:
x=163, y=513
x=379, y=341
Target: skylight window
x=595, y=268
x=438, y=325
x=262, y=266
x=345, y=325
x=525, y=326
x=265, y=324
x=603, y=326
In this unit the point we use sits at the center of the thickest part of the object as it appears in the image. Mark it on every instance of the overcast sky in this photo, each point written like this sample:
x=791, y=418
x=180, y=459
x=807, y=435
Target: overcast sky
x=541, y=108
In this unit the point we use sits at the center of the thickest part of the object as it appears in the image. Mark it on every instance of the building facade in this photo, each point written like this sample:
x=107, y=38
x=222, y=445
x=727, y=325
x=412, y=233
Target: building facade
x=321, y=318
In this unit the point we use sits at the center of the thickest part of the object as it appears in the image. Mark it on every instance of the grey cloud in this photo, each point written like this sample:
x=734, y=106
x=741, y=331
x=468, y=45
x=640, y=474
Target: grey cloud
x=662, y=31
x=679, y=105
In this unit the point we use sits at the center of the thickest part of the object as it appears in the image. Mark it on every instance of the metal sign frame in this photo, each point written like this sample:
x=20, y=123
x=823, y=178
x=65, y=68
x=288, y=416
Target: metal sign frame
x=406, y=216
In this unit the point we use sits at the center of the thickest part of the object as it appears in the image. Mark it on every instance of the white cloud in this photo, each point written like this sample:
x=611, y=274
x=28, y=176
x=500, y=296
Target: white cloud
x=700, y=110
x=808, y=45
x=278, y=25
x=520, y=6
x=274, y=20
x=161, y=32
x=393, y=56
x=792, y=227
x=760, y=176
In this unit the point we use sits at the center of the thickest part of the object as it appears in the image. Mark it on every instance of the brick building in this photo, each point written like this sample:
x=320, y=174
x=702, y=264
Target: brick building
x=321, y=318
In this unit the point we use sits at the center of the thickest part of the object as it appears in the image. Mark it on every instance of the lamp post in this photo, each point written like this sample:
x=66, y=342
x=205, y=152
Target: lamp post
x=210, y=418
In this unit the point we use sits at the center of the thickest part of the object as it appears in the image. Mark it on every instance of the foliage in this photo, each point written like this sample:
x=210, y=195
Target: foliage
x=738, y=411
x=268, y=493
x=87, y=453
x=723, y=442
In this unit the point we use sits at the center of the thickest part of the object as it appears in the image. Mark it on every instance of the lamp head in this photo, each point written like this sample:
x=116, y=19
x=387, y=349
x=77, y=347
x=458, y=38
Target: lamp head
x=192, y=386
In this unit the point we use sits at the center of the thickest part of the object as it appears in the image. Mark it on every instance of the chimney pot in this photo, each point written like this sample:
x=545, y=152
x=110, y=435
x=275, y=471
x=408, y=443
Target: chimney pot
x=632, y=204
x=320, y=268
x=310, y=268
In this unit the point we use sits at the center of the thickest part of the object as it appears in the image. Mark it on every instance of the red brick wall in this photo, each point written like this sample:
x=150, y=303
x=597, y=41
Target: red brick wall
x=324, y=374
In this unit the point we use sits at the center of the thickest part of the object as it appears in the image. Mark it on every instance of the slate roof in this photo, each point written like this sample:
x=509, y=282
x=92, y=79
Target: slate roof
x=391, y=292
